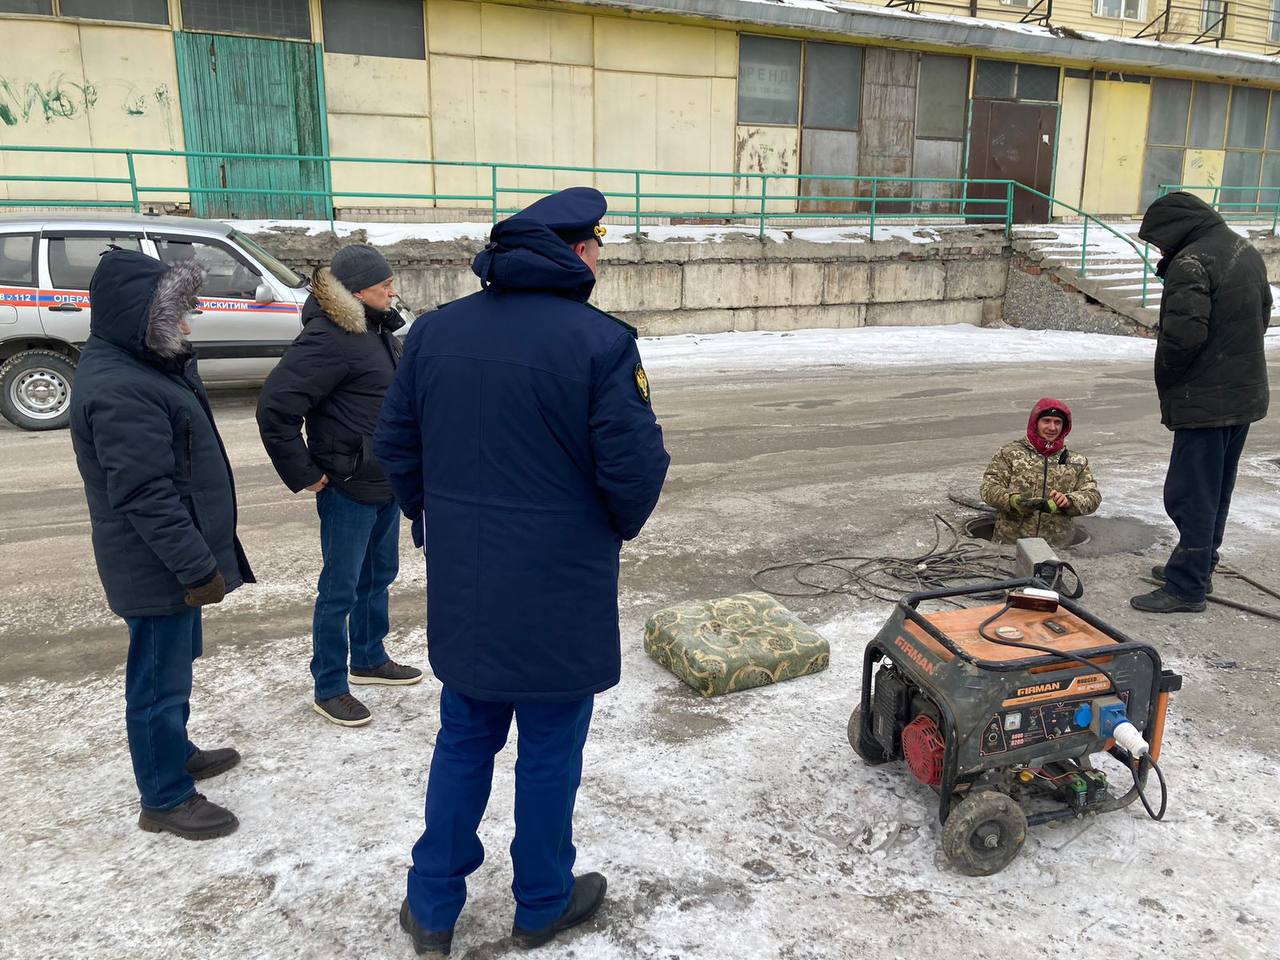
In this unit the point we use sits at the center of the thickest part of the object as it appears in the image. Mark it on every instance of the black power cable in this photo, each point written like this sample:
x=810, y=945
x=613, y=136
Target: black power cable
x=945, y=565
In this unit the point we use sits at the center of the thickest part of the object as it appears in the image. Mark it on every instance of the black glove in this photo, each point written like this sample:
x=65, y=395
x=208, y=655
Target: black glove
x=417, y=530
x=211, y=591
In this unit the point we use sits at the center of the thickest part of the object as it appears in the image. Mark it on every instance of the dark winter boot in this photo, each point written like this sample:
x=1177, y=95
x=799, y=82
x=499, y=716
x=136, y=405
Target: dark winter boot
x=1157, y=572
x=391, y=673
x=1161, y=601
x=204, y=764
x=426, y=943
x=588, y=894
x=193, y=819
x=344, y=710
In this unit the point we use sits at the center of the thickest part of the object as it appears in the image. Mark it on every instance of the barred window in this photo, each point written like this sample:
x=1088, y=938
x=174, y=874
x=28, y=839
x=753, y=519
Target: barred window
x=289, y=19
x=375, y=28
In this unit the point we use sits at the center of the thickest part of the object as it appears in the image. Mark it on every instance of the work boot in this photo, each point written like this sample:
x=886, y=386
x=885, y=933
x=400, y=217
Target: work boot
x=194, y=819
x=344, y=710
x=588, y=894
x=1162, y=601
x=390, y=673
x=426, y=943
x=1157, y=573
x=204, y=764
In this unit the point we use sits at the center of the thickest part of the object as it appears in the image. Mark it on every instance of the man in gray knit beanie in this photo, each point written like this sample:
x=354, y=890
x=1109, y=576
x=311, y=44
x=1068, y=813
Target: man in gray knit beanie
x=332, y=380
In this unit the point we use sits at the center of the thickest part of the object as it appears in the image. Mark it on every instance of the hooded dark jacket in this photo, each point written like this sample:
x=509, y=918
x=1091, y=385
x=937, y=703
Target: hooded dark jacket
x=333, y=378
x=520, y=423
x=162, y=502
x=1211, y=368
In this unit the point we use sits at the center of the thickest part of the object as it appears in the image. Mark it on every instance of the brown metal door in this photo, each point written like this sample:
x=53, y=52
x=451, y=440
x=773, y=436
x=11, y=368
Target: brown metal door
x=1012, y=141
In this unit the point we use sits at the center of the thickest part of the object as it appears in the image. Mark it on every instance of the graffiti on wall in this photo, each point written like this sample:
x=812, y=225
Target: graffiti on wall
x=58, y=98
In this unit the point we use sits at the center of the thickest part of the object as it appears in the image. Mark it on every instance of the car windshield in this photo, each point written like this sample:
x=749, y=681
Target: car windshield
x=278, y=269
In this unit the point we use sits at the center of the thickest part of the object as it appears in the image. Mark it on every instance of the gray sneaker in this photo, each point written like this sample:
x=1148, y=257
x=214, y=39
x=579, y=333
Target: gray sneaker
x=344, y=710
x=390, y=673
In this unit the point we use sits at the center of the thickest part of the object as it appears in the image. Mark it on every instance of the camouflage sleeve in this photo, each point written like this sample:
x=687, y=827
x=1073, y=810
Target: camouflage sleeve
x=1085, y=496
x=995, y=482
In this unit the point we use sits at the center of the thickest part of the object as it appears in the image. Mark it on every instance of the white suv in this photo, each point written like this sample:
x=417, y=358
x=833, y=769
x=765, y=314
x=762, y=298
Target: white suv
x=250, y=306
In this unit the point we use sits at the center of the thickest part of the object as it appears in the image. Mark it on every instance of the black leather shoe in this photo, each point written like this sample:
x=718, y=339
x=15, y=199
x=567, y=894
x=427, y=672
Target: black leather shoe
x=426, y=943
x=193, y=819
x=204, y=764
x=1157, y=573
x=588, y=894
x=1161, y=601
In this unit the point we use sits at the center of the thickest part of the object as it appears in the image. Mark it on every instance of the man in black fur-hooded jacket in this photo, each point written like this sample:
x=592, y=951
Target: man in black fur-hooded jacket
x=162, y=507
x=333, y=378
x=1211, y=375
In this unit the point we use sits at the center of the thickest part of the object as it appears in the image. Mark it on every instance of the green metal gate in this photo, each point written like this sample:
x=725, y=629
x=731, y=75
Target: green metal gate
x=246, y=95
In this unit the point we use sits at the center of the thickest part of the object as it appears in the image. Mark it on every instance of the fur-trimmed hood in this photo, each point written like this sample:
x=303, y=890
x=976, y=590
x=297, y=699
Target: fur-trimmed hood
x=138, y=302
x=337, y=302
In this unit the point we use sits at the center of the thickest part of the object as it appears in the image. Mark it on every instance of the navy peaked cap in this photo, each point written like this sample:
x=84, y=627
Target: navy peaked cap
x=573, y=214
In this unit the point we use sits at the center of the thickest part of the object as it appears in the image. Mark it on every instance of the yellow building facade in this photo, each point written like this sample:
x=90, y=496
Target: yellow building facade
x=697, y=87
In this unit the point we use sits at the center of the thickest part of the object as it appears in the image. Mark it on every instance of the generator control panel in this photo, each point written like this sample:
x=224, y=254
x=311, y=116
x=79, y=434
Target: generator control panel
x=1019, y=727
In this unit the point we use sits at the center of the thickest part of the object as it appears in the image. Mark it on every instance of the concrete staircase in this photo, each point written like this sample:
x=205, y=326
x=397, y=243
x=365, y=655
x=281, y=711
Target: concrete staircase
x=1111, y=274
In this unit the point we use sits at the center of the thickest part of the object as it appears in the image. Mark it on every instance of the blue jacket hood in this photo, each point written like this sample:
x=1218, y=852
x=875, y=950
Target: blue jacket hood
x=120, y=295
x=526, y=255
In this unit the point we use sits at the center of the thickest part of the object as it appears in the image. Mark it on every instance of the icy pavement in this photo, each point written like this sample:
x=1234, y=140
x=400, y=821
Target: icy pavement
x=741, y=828
x=753, y=832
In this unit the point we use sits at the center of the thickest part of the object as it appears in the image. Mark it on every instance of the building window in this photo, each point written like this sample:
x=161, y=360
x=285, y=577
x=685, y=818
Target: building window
x=1208, y=116
x=768, y=80
x=375, y=28
x=39, y=8
x=943, y=93
x=1170, y=104
x=832, y=86
x=1212, y=18
x=1120, y=9
x=129, y=11
x=290, y=19
x=1002, y=80
x=1274, y=31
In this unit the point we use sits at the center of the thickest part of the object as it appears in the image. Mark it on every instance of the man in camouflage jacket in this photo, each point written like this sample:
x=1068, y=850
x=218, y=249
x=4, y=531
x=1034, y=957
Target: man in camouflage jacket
x=1036, y=484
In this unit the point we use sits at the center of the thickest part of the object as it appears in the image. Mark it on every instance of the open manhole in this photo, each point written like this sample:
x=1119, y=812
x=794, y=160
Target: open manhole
x=982, y=528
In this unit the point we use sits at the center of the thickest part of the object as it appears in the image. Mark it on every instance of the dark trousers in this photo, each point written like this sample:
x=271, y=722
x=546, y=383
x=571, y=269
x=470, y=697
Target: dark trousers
x=1197, y=497
x=360, y=543
x=548, y=772
x=157, y=697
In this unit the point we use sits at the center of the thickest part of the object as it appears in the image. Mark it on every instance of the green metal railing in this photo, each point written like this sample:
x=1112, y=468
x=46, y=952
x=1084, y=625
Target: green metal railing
x=752, y=197
x=748, y=198
x=1248, y=203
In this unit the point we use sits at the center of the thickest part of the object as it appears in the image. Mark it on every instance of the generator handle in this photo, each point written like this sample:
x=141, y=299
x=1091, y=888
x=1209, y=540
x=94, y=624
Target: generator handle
x=915, y=599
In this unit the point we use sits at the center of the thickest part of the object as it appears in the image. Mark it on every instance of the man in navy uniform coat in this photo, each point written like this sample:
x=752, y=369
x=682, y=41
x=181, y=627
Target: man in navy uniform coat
x=519, y=438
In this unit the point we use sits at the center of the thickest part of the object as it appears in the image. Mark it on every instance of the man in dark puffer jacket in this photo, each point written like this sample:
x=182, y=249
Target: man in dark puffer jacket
x=162, y=505
x=1211, y=375
x=333, y=378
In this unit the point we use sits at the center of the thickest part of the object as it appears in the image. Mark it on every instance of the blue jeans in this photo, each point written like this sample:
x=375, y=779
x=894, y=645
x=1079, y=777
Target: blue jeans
x=157, y=698
x=548, y=772
x=1197, y=497
x=360, y=543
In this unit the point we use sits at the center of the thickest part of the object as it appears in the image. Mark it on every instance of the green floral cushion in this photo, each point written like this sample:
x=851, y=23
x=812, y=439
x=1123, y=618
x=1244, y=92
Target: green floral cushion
x=734, y=643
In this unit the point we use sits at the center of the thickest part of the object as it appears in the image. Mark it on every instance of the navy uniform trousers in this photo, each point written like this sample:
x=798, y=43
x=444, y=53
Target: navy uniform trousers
x=548, y=772
x=1197, y=497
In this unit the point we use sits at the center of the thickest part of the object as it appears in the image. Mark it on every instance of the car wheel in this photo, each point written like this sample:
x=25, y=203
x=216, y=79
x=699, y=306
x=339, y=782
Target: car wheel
x=35, y=390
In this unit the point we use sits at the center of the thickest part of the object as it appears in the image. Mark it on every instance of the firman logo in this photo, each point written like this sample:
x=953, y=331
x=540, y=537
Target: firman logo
x=1041, y=688
x=918, y=658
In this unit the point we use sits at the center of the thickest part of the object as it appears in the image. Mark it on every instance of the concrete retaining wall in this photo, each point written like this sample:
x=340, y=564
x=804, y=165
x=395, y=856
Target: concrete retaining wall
x=743, y=284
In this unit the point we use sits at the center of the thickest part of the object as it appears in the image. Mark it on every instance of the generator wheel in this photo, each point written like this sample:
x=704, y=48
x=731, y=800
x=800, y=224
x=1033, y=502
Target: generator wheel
x=869, y=750
x=984, y=833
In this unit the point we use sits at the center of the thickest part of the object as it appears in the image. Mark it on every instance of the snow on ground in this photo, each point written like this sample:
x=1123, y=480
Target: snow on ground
x=741, y=827
x=960, y=344
x=389, y=233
